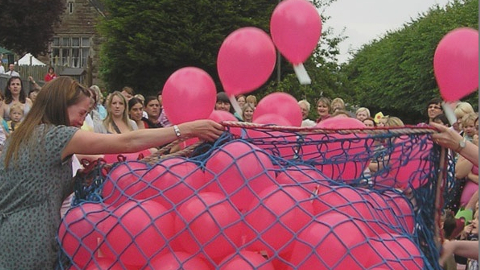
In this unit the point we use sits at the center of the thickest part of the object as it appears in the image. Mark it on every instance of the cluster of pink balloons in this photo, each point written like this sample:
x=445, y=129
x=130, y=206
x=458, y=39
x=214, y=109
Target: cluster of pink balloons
x=226, y=213
x=247, y=57
x=409, y=163
x=340, y=156
x=245, y=62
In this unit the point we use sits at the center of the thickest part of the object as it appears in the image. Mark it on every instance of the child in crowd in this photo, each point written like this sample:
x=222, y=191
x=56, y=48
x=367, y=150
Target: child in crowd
x=468, y=125
x=441, y=119
x=3, y=125
x=369, y=122
x=16, y=115
x=470, y=232
x=337, y=104
x=247, y=112
x=393, y=121
x=451, y=228
x=382, y=121
x=252, y=100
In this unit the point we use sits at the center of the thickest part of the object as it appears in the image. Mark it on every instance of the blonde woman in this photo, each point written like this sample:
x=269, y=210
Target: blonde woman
x=241, y=99
x=338, y=104
x=252, y=100
x=323, y=109
x=394, y=122
x=382, y=121
x=461, y=109
x=117, y=121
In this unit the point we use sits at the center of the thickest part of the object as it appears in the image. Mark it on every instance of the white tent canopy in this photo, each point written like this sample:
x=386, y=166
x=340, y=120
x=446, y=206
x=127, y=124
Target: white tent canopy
x=30, y=60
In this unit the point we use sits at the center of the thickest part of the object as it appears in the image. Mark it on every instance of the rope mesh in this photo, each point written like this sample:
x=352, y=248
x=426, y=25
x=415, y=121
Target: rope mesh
x=277, y=198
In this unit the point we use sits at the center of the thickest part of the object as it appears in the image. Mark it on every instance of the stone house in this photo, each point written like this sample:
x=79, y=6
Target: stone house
x=76, y=43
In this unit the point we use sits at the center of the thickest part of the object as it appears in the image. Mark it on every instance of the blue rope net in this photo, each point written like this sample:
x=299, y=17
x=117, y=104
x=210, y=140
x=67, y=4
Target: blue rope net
x=276, y=198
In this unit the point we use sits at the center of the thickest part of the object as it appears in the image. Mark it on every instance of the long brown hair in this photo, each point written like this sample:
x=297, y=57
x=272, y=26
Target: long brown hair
x=108, y=121
x=8, y=94
x=50, y=107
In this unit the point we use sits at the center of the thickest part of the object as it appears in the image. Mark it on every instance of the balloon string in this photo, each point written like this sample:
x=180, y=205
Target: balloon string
x=447, y=109
x=235, y=105
x=302, y=74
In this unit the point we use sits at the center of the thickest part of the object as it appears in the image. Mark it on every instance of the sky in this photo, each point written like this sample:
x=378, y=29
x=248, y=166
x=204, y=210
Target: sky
x=366, y=20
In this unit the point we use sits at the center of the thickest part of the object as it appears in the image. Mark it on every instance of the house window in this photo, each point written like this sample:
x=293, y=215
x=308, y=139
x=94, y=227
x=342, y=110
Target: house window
x=70, y=6
x=70, y=51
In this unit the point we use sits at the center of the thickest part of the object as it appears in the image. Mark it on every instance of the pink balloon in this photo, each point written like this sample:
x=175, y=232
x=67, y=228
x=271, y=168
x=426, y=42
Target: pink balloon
x=274, y=220
x=104, y=263
x=333, y=242
x=393, y=251
x=281, y=104
x=352, y=202
x=78, y=235
x=172, y=181
x=342, y=200
x=306, y=176
x=410, y=162
x=189, y=94
x=178, y=260
x=456, y=63
x=122, y=182
x=296, y=27
x=208, y=223
x=338, y=156
x=402, y=210
x=245, y=260
x=137, y=231
x=246, y=60
x=219, y=116
x=239, y=170
x=277, y=143
x=188, y=142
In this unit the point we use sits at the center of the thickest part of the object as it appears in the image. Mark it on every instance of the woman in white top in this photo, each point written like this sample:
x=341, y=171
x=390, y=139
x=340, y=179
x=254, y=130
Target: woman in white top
x=117, y=120
x=14, y=94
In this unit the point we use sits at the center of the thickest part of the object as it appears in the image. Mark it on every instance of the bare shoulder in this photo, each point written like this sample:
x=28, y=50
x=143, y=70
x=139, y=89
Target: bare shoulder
x=29, y=102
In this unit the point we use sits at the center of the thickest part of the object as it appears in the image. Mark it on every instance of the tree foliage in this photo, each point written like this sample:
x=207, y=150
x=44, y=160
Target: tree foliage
x=149, y=40
x=27, y=25
x=395, y=74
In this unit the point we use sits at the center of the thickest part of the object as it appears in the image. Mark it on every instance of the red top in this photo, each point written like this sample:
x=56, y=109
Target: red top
x=50, y=77
x=322, y=118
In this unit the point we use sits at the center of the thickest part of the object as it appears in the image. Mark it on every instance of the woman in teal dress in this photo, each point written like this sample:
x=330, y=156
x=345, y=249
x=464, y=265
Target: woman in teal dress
x=35, y=168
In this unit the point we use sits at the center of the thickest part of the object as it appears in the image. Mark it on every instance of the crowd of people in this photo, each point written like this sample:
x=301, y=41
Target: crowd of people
x=49, y=131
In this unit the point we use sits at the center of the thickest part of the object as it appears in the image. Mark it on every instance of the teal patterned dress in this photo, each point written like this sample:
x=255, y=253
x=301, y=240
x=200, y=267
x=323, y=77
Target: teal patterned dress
x=31, y=194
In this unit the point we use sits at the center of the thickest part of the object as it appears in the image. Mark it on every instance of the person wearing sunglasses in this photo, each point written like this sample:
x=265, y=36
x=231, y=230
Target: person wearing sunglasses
x=434, y=108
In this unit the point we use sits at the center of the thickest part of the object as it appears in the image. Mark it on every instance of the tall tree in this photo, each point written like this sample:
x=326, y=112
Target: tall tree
x=395, y=74
x=27, y=25
x=148, y=40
